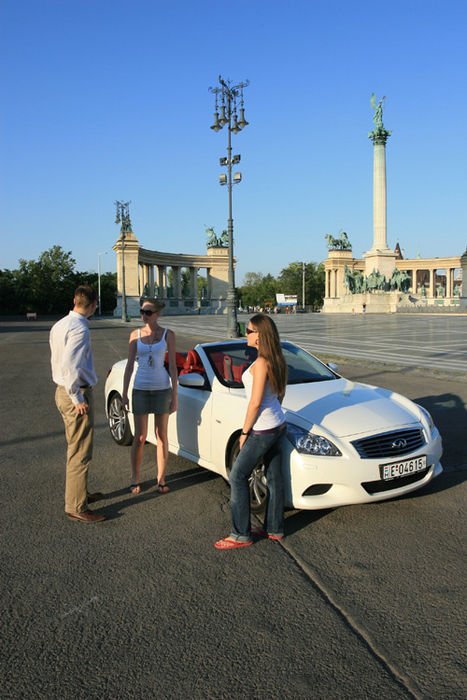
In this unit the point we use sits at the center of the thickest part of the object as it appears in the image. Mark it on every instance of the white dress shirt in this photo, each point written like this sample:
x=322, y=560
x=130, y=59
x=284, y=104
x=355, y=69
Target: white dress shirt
x=71, y=355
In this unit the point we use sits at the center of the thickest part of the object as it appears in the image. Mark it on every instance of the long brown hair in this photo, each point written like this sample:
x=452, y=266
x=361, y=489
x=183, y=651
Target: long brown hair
x=269, y=347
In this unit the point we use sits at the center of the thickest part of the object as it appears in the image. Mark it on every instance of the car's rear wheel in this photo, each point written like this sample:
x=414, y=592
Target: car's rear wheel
x=119, y=425
x=257, y=482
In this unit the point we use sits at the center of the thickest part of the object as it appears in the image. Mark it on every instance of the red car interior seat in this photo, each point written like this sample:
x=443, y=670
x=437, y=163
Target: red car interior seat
x=192, y=363
x=180, y=358
x=233, y=372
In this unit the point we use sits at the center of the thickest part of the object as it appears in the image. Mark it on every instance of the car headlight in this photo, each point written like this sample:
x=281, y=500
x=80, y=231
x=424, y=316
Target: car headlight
x=428, y=418
x=310, y=444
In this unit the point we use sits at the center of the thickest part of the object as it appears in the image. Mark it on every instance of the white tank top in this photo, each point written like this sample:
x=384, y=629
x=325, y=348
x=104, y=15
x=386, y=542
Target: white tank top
x=270, y=414
x=151, y=374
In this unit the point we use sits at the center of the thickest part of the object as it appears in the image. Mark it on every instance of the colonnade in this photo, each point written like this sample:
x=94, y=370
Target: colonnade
x=141, y=272
x=430, y=278
x=165, y=282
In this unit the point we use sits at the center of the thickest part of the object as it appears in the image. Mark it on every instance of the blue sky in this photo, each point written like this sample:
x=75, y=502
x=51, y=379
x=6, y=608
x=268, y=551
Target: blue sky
x=108, y=99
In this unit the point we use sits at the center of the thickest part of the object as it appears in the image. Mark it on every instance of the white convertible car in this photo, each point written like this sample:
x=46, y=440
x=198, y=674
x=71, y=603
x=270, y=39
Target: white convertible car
x=346, y=442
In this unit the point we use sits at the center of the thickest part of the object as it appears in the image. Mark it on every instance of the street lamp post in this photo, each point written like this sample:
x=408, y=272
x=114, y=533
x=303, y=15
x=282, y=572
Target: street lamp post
x=303, y=285
x=99, y=281
x=226, y=97
x=123, y=217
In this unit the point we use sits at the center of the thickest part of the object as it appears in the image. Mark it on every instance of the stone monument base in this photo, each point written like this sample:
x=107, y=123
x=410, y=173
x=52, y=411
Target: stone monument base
x=374, y=302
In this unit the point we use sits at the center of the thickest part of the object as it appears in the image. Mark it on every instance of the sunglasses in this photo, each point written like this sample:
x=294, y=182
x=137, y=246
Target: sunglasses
x=251, y=330
x=147, y=312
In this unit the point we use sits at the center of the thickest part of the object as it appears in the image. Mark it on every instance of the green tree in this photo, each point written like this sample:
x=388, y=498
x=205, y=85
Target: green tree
x=47, y=285
x=108, y=288
x=8, y=291
x=258, y=289
x=315, y=285
x=290, y=281
x=185, y=282
x=202, y=284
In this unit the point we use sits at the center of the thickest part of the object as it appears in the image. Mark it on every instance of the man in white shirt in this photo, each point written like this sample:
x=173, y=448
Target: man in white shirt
x=73, y=373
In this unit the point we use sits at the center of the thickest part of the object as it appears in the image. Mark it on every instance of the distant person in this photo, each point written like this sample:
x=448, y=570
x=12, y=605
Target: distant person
x=263, y=426
x=73, y=373
x=154, y=389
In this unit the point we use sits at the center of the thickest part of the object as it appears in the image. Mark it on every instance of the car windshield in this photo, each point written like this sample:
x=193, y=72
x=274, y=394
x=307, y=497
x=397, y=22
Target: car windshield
x=229, y=361
x=303, y=367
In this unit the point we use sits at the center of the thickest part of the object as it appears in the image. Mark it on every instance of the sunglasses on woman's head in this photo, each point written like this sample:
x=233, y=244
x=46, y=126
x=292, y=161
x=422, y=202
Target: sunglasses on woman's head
x=147, y=312
x=251, y=330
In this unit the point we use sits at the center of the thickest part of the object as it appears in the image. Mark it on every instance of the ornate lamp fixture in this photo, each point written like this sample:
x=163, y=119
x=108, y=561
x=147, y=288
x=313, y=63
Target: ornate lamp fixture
x=225, y=113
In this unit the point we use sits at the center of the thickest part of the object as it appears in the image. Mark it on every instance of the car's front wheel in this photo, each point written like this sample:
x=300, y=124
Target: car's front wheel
x=257, y=482
x=119, y=425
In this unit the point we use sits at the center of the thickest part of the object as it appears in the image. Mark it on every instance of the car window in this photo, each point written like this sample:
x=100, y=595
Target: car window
x=303, y=368
x=230, y=361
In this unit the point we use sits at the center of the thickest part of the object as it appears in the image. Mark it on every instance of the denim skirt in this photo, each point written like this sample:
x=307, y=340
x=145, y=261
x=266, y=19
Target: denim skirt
x=145, y=401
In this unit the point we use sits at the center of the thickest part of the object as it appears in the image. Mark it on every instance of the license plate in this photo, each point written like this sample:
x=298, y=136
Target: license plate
x=404, y=468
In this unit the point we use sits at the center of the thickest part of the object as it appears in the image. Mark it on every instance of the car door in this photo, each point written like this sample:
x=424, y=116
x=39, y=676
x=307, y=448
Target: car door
x=190, y=427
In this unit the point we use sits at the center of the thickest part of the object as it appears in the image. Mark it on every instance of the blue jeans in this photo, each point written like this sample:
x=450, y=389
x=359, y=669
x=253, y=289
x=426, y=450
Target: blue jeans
x=266, y=446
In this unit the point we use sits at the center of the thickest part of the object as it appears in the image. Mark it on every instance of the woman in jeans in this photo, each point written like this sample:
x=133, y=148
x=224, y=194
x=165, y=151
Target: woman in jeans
x=265, y=383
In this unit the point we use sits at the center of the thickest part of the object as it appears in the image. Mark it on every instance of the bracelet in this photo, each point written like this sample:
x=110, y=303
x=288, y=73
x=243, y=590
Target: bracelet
x=242, y=433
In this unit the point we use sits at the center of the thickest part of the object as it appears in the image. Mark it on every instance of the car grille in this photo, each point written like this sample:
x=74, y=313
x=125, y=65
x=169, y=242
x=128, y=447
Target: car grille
x=372, y=487
x=387, y=445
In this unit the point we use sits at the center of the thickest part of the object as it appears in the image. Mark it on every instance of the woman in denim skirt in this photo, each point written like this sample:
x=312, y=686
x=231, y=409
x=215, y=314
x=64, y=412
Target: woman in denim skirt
x=154, y=389
x=265, y=382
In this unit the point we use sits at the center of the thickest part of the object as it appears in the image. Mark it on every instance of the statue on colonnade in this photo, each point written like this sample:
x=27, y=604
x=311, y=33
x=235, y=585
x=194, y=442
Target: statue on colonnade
x=216, y=242
x=341, y=243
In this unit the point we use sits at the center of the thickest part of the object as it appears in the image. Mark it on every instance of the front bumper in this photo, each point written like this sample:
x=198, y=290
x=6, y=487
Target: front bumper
x=327, y=482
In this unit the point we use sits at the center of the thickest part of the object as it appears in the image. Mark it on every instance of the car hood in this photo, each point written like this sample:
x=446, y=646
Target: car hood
x=346, y=408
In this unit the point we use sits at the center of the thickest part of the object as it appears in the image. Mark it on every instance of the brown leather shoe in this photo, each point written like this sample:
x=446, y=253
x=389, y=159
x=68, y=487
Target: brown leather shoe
x=87, y=516
x=93, y=497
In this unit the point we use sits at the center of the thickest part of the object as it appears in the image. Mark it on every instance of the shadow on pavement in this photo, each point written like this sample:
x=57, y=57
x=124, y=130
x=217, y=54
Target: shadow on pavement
x=299, y=519
x=177, y=482
x=450, y=417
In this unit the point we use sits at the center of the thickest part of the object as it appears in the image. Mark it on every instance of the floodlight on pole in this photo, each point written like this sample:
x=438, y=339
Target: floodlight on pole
x=229, y=100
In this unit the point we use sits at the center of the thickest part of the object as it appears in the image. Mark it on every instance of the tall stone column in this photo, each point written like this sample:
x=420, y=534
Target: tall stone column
x=127, y=252
x=463, y=297
x=449, y=282
x=162, y=280
x=379, y=257
x=379, y=193
x=194, y=285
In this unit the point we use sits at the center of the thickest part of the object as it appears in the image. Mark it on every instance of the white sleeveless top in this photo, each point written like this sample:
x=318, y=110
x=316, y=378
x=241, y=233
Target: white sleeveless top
x=270, y=414
x=151, y=374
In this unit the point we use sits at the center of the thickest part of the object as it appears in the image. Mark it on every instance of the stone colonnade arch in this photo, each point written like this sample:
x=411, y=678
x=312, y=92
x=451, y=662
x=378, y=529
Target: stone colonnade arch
x=154, y=273
x=433, y=282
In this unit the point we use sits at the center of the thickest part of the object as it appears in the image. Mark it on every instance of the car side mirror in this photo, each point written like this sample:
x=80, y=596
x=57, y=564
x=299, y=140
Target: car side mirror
x=333, y=366
x=194, y=380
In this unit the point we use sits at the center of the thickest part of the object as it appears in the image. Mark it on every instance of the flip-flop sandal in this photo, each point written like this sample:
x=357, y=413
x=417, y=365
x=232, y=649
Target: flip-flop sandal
x=258, y=532
x=163, y=488
x=226, y=543
x=135, y=489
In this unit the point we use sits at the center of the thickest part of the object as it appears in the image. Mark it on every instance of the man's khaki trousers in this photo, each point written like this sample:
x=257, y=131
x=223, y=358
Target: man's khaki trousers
x=79, y=433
